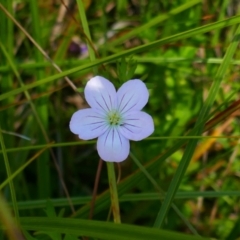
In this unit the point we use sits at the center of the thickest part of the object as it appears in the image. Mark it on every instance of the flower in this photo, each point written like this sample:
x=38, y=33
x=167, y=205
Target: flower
x=114, y=117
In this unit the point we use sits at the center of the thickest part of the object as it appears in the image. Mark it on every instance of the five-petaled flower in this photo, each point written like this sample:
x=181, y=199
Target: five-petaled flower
x=115, y=117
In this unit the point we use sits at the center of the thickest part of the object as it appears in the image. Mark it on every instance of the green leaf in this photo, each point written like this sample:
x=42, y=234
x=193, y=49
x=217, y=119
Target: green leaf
x=28, y=236
x=101, y=230
x=70, y=237
x=50, y=211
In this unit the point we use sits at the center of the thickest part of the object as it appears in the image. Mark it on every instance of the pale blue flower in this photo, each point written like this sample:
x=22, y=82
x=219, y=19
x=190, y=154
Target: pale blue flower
x=114, y=117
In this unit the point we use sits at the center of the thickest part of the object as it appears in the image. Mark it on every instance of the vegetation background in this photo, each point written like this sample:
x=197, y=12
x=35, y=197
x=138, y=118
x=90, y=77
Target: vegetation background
x=180, y=183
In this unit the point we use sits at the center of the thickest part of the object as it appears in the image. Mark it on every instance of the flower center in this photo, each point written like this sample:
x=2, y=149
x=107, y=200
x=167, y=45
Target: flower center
x=114, y=118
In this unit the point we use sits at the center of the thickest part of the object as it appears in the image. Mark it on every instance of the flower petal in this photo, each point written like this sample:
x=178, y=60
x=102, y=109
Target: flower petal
x=88, y=124
x=132, y=95
x=137, y=125
x=112, y=146
x=100, y=94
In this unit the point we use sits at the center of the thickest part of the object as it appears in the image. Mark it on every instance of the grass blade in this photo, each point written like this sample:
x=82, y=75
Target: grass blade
x=145, y=47
x=198, y=129
x=102, y=230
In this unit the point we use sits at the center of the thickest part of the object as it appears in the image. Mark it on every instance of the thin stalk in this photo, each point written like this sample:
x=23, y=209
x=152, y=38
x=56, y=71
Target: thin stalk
x=94, y=195
x=12, y=190
x=113, y=192
x=86, y=32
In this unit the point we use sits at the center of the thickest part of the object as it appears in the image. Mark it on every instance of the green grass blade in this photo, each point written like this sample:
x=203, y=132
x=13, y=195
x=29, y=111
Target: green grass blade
x=155, y=21
x=156, y=60
x=7, y=221
x=86, y=30
x=6, y=80
x=65, y=144
x=145, y=47
x=162, y=193
x=44, y=186
x=197, y=130
x=101, y=230
x=132, y=197
x=8, y=170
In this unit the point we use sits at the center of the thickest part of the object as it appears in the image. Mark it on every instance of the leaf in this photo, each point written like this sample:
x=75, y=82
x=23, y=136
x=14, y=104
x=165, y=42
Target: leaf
x=101, y=230
x=70, y=237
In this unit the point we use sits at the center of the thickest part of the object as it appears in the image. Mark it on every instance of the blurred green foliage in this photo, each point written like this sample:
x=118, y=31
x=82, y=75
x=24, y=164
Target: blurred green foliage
x=178, y=74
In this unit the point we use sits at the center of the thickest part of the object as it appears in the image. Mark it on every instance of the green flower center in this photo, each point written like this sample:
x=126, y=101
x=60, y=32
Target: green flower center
x=114, y=118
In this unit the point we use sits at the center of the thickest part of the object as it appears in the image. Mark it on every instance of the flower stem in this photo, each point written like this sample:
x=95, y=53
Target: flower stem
x=113, y=192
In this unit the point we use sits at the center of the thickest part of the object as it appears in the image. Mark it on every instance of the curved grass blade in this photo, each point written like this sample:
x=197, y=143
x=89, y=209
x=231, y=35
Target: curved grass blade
x=101, y=230
x=145, y=47
x=160, y=18
x=198, y=129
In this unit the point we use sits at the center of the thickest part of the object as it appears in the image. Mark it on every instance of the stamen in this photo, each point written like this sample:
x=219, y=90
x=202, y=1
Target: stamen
x=114, y=118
